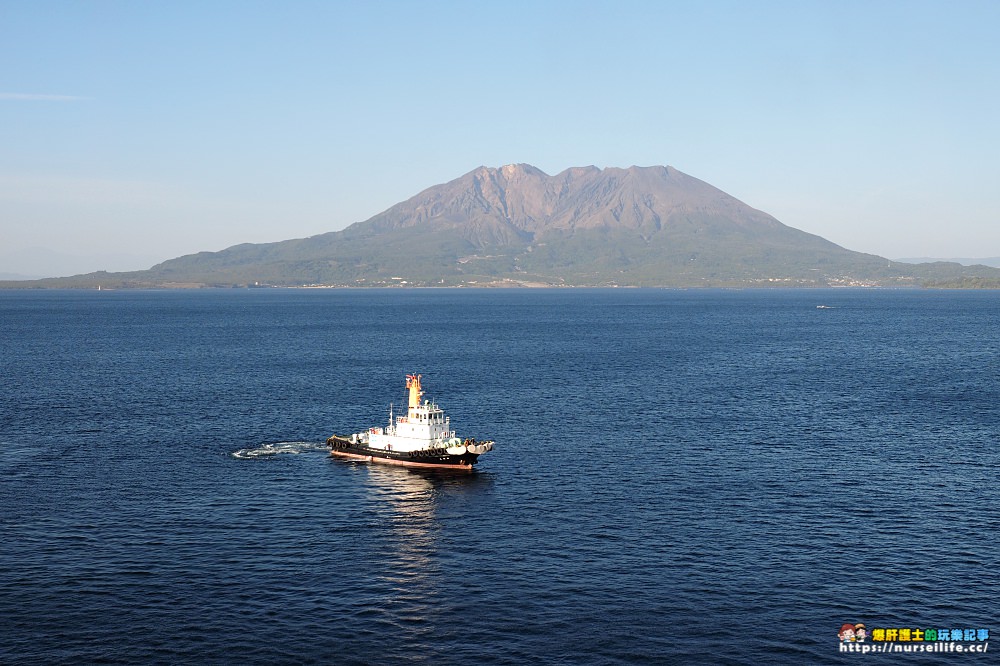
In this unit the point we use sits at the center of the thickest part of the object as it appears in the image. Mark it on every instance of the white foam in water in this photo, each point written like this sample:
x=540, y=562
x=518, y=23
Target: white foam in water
x=276, y=448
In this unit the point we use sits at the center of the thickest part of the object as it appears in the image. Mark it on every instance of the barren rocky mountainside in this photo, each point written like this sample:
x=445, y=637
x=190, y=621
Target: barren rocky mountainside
x=517, y=226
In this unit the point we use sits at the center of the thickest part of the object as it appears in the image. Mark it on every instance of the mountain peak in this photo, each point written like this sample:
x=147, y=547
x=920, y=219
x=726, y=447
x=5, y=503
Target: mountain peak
x=521, y=168
x=519, y=203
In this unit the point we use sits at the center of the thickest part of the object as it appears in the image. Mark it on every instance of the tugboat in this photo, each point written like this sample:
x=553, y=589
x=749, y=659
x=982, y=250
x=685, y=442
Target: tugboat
x=422, y=438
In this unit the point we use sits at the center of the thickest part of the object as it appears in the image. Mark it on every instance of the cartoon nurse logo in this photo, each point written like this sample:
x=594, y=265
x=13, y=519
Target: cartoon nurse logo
x=846, y=634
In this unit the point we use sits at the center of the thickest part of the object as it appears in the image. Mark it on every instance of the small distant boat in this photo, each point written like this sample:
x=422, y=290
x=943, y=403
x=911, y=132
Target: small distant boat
x=422, y=438
x=824, y=307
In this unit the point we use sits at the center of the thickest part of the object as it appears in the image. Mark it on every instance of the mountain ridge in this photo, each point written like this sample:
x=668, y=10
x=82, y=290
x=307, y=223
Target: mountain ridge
x=585, y=226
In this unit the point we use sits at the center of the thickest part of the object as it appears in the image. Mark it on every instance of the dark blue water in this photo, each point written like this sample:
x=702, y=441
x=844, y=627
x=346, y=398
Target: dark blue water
x=679, y=477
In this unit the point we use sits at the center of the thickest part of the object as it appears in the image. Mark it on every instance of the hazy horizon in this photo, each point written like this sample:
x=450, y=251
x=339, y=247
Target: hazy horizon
x=138, y=133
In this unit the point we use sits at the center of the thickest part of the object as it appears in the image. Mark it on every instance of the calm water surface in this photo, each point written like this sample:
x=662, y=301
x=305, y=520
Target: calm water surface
x=680, y=476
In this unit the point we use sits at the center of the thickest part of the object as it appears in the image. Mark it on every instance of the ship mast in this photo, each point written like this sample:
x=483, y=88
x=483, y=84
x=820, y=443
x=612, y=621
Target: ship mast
x=413, y=383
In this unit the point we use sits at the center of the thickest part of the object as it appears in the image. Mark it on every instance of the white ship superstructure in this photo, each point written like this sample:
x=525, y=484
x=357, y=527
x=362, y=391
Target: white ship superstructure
x=423, y=427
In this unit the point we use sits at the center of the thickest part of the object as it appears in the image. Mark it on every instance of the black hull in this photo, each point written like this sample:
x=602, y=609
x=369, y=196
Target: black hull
x=440, y=459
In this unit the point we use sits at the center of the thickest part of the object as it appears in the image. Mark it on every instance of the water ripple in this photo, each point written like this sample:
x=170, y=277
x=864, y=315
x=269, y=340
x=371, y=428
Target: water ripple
x=714, y=477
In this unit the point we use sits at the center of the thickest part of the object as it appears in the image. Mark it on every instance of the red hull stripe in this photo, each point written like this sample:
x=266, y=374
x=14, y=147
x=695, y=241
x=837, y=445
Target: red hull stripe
x=402, y=463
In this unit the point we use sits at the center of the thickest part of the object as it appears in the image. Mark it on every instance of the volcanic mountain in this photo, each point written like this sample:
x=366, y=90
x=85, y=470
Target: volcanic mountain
x=516, y=225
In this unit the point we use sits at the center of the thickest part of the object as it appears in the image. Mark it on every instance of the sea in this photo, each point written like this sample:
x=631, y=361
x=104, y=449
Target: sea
x=679, y=477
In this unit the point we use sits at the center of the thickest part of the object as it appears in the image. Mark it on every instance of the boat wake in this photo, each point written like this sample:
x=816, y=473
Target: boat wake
x=278, y=448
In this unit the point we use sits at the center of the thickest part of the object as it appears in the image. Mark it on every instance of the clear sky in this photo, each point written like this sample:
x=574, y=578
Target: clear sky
x=132, y=132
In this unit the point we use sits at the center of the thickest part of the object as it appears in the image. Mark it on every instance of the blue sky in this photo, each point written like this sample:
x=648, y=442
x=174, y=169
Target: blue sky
x=132, y=132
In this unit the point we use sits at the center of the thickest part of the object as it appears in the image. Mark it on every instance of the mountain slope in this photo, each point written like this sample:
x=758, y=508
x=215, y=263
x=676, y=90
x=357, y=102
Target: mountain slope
x=642, y=226
x=651, y=225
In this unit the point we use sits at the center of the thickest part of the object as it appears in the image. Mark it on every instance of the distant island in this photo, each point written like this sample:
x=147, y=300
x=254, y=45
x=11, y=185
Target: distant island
x=965, y=261
x=516, y=226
